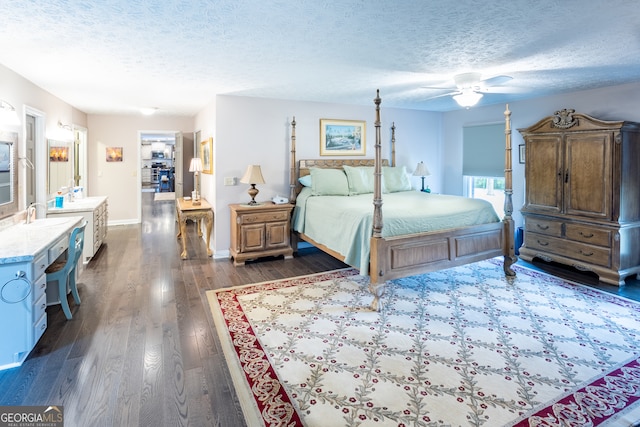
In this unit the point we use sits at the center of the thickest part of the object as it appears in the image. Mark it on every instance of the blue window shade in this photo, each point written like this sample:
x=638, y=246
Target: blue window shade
x=483, y=150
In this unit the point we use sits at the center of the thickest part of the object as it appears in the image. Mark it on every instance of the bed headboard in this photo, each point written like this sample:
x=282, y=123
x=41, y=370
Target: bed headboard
x=306, y=164
x=300, y=168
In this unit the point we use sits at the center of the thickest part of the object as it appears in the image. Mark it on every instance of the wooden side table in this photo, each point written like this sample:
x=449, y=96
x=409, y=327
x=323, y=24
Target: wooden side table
x=259, y=231
x=185, y=209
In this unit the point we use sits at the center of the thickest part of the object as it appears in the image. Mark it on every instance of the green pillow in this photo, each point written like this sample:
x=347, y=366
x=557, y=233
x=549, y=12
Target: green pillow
x=305, y=180
x=360, y=179
x=329, y=182
x=395, y=179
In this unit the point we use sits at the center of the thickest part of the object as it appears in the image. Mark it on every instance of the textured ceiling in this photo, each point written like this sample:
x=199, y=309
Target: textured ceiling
x=115, y=56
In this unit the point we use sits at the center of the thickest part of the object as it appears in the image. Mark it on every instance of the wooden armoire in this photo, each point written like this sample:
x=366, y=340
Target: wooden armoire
x=582, y=194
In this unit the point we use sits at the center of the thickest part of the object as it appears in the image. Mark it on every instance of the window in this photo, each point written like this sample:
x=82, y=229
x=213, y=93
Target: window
x=483, y=164
x=490, y=189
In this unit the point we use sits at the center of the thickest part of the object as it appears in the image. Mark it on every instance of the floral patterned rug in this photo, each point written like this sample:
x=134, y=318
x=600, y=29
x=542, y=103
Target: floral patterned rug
x=457, y=347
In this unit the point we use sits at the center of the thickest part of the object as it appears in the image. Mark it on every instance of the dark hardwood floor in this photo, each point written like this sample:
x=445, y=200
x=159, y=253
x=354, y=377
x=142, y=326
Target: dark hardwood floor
x=141, y=349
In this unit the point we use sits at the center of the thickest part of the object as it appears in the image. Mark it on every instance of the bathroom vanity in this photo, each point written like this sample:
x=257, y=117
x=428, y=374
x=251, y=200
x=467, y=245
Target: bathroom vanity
x=26, y=252
x=95, y=211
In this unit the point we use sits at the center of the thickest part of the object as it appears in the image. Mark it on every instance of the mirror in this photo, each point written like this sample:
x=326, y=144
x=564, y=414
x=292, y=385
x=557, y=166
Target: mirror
x=60, y=165
x=8, y=173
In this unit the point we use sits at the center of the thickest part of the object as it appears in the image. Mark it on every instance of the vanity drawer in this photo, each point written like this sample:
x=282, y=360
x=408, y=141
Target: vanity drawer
x=39, y=308
x=39, y=287
x=58, y=248
x=40, y=264
x=38, y=328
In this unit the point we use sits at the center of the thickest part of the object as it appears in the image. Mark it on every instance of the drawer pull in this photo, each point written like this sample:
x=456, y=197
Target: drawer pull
x=588, y=236
x=585, y=253
x=44, y=305
x=543, y=243
x=43, y=327
x=542, y=227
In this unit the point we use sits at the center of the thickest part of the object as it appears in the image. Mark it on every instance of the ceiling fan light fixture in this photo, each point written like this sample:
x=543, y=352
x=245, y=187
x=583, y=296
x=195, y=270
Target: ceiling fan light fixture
x=468, y=98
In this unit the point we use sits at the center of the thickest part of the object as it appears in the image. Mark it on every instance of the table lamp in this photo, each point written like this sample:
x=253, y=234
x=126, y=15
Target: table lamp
x=422, y=171
x=253, y=176
x=196, y=168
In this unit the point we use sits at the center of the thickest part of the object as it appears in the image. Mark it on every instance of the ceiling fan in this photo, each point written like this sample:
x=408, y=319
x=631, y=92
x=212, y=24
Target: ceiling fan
x=469, y=88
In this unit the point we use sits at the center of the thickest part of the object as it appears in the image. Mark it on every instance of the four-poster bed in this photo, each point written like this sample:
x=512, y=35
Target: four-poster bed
x=442, y=231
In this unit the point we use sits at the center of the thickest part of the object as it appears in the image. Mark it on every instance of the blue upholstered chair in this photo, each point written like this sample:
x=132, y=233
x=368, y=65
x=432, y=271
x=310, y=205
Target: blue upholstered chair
x=165, y=181
x=63, y=272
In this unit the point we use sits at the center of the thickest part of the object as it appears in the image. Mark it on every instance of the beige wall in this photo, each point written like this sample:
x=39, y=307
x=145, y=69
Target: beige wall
x=26, y=96
x=120, y=181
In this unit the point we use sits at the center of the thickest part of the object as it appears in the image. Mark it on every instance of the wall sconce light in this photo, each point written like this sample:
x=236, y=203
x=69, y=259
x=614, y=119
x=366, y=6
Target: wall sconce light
x=8, y=114
x=65, y=132
x=196, y=167
x=253, y=176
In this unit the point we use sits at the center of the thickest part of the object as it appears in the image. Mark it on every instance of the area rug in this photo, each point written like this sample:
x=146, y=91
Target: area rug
x=164, y=196
x=458, y=347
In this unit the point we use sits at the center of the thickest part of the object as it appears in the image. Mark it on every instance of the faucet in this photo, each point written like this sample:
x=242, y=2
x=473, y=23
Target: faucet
x=31, y=210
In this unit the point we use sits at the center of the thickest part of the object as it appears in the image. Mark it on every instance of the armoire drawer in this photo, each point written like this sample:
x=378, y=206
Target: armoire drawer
x=593, y=236
x=547, y=227
x=570, y=249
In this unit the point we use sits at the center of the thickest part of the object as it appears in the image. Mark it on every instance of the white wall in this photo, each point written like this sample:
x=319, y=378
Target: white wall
x=613, y=103
x=258, y=131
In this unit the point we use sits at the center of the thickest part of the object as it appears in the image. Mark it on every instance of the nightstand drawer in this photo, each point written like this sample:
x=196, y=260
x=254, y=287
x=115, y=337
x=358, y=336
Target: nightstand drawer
x=261, y=217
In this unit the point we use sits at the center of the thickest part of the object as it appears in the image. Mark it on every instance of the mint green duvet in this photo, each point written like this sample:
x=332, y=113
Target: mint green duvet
x=345, y=223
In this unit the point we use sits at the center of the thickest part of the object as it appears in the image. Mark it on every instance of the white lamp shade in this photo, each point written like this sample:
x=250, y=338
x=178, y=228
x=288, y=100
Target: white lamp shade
x=195, y=165
x=253, y=175
x=421, y=170
x=468, y=98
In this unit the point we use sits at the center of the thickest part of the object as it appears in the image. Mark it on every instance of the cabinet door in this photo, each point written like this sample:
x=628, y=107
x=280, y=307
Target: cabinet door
x=588, y=174
x=543, y=173
x=277, y=234
x=252, y=237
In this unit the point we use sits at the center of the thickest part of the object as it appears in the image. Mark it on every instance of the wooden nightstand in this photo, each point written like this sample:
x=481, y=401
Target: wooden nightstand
x=258, y=231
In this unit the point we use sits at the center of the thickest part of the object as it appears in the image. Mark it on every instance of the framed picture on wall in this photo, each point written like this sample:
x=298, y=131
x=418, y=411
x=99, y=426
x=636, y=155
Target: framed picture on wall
x=342, y=137
x=206, y=154
x=114, y=154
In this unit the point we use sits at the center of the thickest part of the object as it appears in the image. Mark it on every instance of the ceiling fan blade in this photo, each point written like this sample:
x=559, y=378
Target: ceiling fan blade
x=496, y=81
x=442, y=95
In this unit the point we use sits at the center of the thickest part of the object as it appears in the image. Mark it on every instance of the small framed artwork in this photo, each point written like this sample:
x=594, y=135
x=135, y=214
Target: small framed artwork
x=206, y=154
x=522, y=152
x=58, y=154
x=114, y=154
x=342, y=137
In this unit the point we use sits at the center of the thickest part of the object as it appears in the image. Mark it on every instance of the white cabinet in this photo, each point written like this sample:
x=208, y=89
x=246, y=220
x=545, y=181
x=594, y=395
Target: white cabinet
x=95, y=211
x=146, y=175
x=146, y=151
x=26, y=253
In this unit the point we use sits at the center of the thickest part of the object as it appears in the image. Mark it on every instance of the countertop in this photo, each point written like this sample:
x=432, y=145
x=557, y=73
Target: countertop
x=78, y=205
x=22, y=242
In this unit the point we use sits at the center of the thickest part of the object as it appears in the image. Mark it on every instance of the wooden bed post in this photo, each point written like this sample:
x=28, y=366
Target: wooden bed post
x=393, y=144
x=509, y=246
x=376, y=282
x=292, y=176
